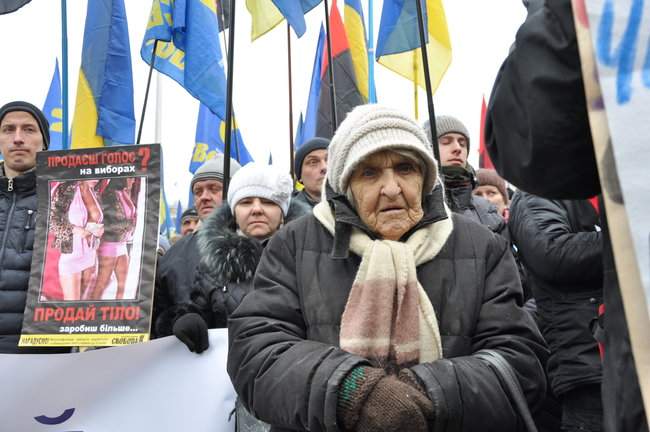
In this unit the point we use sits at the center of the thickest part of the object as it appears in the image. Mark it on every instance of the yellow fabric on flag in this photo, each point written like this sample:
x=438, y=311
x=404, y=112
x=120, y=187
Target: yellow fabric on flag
x=84, y=122
x=265, y=17
x=358, y=50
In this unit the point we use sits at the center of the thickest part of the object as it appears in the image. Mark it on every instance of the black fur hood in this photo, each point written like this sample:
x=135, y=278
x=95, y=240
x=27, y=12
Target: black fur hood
x=227, y=257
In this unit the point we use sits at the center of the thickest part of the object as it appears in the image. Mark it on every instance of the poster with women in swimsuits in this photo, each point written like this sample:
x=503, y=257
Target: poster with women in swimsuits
x=93, y=265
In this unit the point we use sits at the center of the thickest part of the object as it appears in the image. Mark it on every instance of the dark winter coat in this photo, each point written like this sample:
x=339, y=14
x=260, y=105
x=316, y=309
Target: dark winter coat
x=225, y=271
x=17, y=222
x=303, y=196
x=284, y=358
x=459, y=184
x=175, y=274
x=538, y=137
x=537, y=115
x=560, y=244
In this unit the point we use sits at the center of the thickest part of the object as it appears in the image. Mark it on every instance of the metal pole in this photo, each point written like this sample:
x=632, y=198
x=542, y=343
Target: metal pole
x=291, y=143
x=64, y=70
x=427, y=82
x=330, y=68
x=146, y=92
x=231, y=56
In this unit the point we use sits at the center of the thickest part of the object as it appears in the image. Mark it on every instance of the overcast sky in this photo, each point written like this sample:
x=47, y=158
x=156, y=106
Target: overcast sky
x=481, y=34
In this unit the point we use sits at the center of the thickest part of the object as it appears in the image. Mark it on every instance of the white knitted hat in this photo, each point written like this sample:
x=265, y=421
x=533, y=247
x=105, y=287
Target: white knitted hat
x=262, y=181
x=371, y=128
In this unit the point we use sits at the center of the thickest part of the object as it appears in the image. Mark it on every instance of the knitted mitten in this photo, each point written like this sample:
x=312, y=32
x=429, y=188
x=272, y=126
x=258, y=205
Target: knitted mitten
x=387, y=405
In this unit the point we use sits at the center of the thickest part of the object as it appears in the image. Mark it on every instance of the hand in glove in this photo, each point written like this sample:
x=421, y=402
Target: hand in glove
x=369, y=400
x=192, y=330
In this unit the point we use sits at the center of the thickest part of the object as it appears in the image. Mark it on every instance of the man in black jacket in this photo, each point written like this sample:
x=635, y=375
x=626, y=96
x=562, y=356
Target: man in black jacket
x=24, y=131
x=560, y=244
x=310, y=167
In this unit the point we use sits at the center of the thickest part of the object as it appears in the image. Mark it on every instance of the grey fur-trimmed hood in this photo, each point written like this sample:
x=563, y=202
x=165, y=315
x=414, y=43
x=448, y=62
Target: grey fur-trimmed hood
x=228, y=257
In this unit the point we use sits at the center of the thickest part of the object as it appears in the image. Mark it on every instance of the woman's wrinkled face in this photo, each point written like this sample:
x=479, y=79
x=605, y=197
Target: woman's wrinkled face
x=257, y=217
x=387, y=192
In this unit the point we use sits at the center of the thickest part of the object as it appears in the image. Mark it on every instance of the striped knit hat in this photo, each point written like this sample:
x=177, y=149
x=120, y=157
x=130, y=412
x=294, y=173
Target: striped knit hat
x=372, y=128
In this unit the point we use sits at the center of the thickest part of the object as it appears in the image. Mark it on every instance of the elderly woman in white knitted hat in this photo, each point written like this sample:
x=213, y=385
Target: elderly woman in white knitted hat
x=369, y=315
x=230, y=244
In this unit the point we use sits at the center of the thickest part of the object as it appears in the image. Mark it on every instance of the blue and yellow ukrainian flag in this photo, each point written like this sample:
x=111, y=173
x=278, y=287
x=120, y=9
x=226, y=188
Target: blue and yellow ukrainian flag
x=398, y=41
x=179, y=214
x=189, y=50
x=210, y=138
x=356, y=31
x=52, y=108
x=104, y=107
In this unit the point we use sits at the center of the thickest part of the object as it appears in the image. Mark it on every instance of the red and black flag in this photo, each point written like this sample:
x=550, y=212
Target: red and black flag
x=484, y=160
x=8, y=6
x=345, y=83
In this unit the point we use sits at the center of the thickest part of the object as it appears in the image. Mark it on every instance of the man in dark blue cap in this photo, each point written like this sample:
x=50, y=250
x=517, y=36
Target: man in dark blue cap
x=24, y=131
x=310, y=166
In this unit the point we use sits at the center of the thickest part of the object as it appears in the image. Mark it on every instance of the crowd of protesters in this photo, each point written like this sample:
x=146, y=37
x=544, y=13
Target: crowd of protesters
x=393, y=292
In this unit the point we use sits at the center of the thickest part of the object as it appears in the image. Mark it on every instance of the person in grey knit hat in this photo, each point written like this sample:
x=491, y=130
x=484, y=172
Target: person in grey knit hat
x=459, y=176
x=207, y=184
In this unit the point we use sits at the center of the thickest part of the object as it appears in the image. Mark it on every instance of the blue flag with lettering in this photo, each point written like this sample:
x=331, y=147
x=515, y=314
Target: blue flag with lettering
x=52, y=108
x=188, y=49
x=210, y=138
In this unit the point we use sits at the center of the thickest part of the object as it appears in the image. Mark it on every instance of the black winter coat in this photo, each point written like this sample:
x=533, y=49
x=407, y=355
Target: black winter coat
x=284, y=358
x=17, y=222
x=560, y=244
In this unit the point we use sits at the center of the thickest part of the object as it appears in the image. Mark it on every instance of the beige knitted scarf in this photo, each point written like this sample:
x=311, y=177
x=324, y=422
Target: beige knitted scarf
x=388, y=317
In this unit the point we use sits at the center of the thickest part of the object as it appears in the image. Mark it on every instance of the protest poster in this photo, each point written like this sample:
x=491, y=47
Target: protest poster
x=154, y=386
x=615, y=56
x=93, y=266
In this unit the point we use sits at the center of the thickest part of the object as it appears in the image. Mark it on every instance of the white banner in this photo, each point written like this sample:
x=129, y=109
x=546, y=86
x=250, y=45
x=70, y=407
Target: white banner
x=155, y=386
x=621, y=33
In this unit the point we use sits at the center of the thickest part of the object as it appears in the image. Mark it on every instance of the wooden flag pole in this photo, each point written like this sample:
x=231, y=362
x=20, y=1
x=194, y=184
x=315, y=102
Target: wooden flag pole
x=146, y=92
x=231, y=57
x=427, y=82
x=330, y=67
x=291, y=143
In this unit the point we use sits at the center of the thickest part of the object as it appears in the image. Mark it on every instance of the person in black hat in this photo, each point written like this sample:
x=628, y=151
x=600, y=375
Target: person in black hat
x=24, y=131
x=189, y=220
x=310, y=166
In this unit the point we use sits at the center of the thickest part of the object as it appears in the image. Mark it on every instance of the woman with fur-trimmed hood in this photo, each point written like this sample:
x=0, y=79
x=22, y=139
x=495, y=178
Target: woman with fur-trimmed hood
x=230, y=242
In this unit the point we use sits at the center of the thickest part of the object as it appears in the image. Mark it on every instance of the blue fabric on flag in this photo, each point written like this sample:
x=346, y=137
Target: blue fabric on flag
x=209, y=139
x=311, y=115
x=398, y=29
x=298, y=141
x=52, y=108
x=179, y=214
x=190, y=53
x=294, y=11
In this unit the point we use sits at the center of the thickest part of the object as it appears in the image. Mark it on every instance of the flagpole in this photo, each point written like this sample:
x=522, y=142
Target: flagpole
x=146, y=92
x=291, y=143
x=330, y=67
x=231, y=56
x=64, y=70
x=427, y=81
x=222, y=12
x=416, y=101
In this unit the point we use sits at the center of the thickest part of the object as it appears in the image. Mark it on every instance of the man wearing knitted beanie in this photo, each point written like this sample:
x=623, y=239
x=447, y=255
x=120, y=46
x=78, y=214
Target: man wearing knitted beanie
x=24, y=131
x=459, y=176
x=310, y=166
x=493, y=188
x=176, y=269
